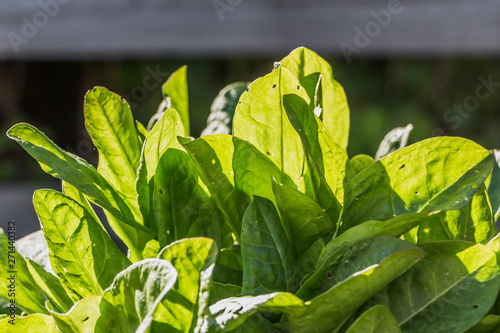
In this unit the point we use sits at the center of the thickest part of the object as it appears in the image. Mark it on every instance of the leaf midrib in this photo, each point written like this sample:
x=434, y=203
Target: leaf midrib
x=116, y=141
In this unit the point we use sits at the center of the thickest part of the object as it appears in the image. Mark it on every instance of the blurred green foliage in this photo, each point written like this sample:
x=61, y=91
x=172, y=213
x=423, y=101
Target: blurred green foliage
x=382, y=94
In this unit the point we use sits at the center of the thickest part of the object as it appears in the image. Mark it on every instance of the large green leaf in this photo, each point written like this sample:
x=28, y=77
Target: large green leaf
x=50, y=285
x=81, y=252
x=253, y=173
x=219, y=291
x=229, y=313
x=261, y=120
x=176, y=90
x=303, y=62
x=321, y=151
x=493, y=185
x=162, y=136
x=394, y=227
x=111, y=126
x=436, y=174
x=213, y=155
x=305, y=220
x=17, y=282
x=81, y=318
x=377, y=319
x=268, y=260
x=130, y=303
x=182, y=308
x=388, y=256
x=35, y=323
x=449, y=291
x=182, y=207
x=474, y=222
x=330, y=160
x=85, y=178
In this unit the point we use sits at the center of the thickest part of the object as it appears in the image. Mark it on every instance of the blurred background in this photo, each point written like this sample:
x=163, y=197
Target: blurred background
x=434, y=64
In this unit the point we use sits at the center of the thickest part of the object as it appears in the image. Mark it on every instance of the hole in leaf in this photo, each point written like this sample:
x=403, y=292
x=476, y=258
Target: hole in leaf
x=416, y=192
x=401, y=167
x=329, y=275
x=269, y=153
x=161, y=191
x=298, y=87
x=475, y=306
x=87, y=318
x=274, y=86
x=458, y=150
x=213, y=160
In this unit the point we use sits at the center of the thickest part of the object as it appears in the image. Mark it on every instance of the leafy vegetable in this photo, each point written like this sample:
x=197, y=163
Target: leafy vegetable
x=270, y=227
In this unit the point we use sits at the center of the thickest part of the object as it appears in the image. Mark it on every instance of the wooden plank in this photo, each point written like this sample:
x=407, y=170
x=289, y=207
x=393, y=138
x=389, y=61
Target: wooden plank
x=263, y=28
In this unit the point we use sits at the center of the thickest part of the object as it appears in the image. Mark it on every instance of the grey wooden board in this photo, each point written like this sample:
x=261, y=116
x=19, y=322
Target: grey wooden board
x=178, y=28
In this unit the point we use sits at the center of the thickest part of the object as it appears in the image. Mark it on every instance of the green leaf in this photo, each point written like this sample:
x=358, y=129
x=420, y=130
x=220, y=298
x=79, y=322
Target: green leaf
x=387, y=256
x=220, y=119
x=489, y=324
x=361, y=162
x=82, y=254
x=230, y=313
x=213, y=157
x=303, y=62
x=394, y=140
x=72, y=192
x=261, y=120
x=184, y=305
x=308, y=261
x=130, y=303
x=493, y=185
x=50, y=285
x=450, y=290
x=330, y=160
x=377, y=319
x=85, y=178
x=253, y=173
x=17, y=282
x=162, y=136
x=394, y=227
x=321, y=151
x=111, y=126
x=176, y=90
x=441, y=173
x=305, y=220
x=268, y=260
x=474, y=222
x=219, y=291
x=35, y=323
x=81, y=318
x=182, y=207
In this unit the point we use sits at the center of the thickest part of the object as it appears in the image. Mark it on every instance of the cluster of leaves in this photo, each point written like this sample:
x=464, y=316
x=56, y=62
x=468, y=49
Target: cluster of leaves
x=271, y=229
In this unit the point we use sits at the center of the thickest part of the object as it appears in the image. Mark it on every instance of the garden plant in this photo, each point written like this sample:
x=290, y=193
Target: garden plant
x=267, y=226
